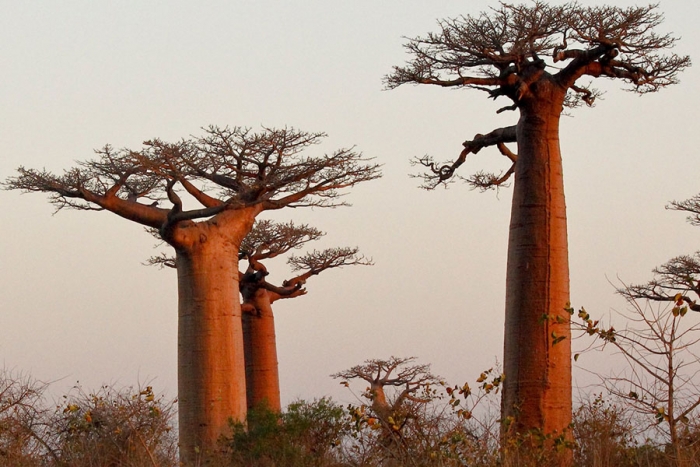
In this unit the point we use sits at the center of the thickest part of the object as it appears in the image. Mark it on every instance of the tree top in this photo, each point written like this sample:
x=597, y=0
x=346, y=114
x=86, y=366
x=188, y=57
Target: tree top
x=225, y=169
x=503, y=50
x=269, y=239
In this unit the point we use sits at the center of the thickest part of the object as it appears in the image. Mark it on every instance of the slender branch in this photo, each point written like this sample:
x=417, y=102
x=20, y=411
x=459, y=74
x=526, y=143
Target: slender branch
x=442, y=173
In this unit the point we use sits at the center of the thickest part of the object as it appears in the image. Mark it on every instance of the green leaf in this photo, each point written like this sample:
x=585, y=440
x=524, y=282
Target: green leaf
x=556, y=339
x=568, y=308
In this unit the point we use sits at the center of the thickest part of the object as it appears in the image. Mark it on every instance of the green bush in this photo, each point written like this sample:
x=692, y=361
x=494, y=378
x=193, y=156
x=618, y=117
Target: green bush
x=306, y=435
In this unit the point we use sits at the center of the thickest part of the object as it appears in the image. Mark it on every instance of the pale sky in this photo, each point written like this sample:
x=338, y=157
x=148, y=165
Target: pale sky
x=76, y=303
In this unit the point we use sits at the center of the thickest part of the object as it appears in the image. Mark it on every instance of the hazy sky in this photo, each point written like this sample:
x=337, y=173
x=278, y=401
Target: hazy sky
x=76, y=303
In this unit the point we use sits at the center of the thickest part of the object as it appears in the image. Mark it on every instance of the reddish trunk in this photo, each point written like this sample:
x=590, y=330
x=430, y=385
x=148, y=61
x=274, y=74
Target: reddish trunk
x=261, y=366
x=211, y=368
x=537, y=392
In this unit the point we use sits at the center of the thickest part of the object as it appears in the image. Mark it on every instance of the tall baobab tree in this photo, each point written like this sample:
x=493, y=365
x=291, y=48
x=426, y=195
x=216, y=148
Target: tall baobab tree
x=536, y=56
x=268, y=240
x=233, y=174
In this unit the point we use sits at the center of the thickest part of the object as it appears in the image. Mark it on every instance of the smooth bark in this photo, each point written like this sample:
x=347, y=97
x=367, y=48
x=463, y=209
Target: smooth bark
x=537, y=392
x=260, y=343
x=211, y=368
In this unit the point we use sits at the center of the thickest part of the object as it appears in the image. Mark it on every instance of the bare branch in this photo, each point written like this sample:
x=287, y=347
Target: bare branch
x=441, y=174
x=162, y=261
x=621, y=43
x=691, y=206
x=677, y=281
x=267, y=169
x=269, y=239
x=400, y=373
x=498, y=50
x=658, y=381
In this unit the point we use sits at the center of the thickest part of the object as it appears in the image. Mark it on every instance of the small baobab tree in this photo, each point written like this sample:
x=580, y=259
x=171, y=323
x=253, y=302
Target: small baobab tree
x=268, y=240
x=537, y=55
x=398, y=389
x=233, y=174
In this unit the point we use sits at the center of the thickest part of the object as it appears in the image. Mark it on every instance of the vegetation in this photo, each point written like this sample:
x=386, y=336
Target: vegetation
x=659, y=345
x=124, y=427
x=446, y=425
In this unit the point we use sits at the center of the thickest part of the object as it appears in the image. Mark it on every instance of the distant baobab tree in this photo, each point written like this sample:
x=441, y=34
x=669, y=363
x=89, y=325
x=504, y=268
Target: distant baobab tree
x=538, y=56
x=678, y=279
x=268, y=240
x=406, y=378
x=233, y=174
x=398, y=390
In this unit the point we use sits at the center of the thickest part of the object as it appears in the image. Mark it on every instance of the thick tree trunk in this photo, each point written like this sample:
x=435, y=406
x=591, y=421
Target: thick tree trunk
x=537, y=391
x=211, y=368
x=261, y=366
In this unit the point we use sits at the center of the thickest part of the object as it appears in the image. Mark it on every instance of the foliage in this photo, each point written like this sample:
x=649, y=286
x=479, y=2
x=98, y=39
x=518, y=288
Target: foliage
x=658, y=345
x=459, y=427
x=114, y=427
x=21, y=415
x=307, y=434
x=130, y=428
x=408, y=416
x=603, y=432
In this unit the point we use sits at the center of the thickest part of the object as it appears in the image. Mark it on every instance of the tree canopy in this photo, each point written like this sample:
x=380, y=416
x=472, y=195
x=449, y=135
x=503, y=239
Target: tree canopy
x=506, y=50
x=226, y=168
x=269, y=239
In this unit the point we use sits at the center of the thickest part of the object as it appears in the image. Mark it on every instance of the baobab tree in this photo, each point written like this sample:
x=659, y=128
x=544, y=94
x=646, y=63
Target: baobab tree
x=233, y=174
x=537, y=56
x=397, y=390
x=268, y=240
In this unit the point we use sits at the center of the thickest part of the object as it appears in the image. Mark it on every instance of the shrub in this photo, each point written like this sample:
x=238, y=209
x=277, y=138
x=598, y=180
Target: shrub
x=114, y=427
x=306, y=435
